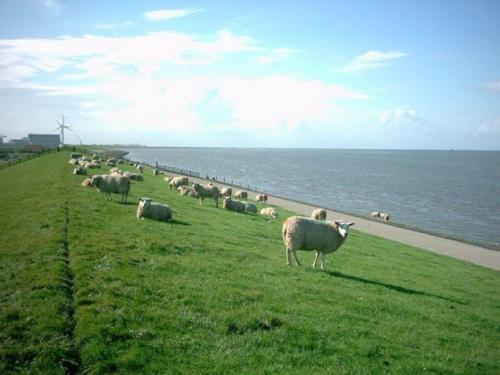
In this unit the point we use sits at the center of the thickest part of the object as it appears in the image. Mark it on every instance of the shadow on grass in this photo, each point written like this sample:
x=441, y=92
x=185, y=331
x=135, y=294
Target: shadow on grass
x=177, y=222
x=396, y=288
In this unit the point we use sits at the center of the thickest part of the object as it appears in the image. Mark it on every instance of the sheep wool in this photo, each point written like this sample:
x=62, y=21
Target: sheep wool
x=152, y=210
x=303, y=233
x=319, y=214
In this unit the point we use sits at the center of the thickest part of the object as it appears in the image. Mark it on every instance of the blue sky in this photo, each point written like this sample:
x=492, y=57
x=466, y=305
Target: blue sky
x=340, y=74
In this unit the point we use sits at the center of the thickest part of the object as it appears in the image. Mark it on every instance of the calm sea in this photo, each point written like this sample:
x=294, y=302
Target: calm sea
x=450, y=193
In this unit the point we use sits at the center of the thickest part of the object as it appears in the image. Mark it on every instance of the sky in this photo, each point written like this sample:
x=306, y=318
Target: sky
x=313, y=74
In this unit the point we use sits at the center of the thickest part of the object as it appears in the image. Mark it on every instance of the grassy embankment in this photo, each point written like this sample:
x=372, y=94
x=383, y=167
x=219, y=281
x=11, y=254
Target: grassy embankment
x=86, y=287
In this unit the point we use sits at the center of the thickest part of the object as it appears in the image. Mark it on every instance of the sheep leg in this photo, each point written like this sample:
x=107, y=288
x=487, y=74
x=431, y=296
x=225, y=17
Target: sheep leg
x=295, y=257
x=315, y=259
x=288, y=256
x=323, y=265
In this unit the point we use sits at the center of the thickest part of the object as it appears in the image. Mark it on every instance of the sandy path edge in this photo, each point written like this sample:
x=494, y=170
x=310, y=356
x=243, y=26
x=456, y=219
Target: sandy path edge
x=456, y=249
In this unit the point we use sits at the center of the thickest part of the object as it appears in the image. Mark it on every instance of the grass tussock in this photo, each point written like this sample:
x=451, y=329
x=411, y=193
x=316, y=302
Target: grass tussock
x=87, y=287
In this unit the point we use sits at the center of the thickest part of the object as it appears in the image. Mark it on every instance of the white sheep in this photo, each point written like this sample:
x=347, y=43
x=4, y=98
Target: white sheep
x=73, y=161
x=133, y=176
x=87, y=182
x=231, y=205
x=261, y=198
x=115, y=170
x=241, y=194
x=175, y=182
x=381, y=215
x=304, y=233
x=187, y=191
x=207, y=191
x=226, y=192
x=156, y=211
x=156, y=172
x=319, y=214
x=269, y=211
x=140, y=168
x=112, y=184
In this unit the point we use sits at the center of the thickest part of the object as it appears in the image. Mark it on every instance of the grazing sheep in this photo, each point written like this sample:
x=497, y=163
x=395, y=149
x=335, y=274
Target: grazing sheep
x=206, y=191
x=241, y=194
x=156, y=211
x=167, y=179
x=87, y=182
x=187, y=191
x=80, y=171
x=175, y=182
x=231, y=205
x=94, y=164
x=111, y=160
x=250, y=208
x=112, y=184
x=140, y=168
x=269, y=211
x=109, y=164
x=226, y=192
x=303, y=233
x=261, y=198
x=381, y=215
x=156, y=172
x=319, y=214
x=73, y=161
x=85, y=158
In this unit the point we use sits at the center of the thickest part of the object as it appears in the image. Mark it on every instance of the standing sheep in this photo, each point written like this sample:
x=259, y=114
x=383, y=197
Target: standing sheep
x=261, y=198
x=156, y=172
x=112, y=184
x=226, y=192
x=241, y=194
x=152, y=210
x=269, y=211
x=187, y=191
x=319, y=214
x=303, y=233
x=206, y=191
x=140, y=168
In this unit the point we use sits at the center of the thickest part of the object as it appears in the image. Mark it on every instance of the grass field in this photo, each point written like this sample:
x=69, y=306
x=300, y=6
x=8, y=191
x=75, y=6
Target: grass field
x=88, y=288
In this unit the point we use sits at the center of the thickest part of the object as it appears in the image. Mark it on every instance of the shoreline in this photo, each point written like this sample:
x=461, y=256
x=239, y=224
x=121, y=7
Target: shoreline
x=456, y=248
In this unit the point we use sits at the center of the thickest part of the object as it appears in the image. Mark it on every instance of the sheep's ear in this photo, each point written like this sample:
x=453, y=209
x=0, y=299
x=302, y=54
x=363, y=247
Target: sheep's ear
x=337, y=223
x=350, y=224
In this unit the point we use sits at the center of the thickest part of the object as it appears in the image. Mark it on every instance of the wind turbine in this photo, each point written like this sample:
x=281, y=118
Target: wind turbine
x=61, y=127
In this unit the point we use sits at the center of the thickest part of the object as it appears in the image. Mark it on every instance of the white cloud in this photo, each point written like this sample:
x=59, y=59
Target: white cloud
x=126, y=83
x=492, y=86
x=95, y=55
x=371, y=60
x=490, y=126
x=400, y=116
x=168, y=14
x=275, y=55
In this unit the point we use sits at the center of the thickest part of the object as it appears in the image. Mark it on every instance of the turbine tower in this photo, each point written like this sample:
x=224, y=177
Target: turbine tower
x=61, y=127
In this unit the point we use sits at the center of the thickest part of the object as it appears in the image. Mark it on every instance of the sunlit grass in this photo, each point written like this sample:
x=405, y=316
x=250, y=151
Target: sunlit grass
x=210, y=292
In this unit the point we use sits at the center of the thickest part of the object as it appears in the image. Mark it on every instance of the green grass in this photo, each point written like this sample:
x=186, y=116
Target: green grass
x=84, y=283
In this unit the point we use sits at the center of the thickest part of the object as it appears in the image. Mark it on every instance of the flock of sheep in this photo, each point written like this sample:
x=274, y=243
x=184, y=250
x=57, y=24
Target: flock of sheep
x=313, y=233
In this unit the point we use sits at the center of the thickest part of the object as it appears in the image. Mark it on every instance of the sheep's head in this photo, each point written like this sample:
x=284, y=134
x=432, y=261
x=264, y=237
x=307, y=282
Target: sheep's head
x=343, y=228
x=144, y=203
x=196, y=186
x=96, y=180
x=226, y=202
x=274, y=213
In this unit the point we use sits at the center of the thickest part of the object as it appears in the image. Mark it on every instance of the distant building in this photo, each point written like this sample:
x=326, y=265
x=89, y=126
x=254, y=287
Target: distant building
x=44, y=140
x=22, y=141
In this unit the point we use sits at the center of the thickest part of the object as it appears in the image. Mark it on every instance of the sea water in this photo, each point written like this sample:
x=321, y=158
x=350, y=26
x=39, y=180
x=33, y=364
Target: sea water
x=450, y=193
